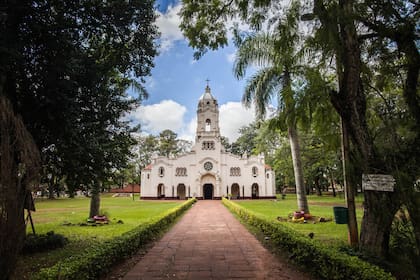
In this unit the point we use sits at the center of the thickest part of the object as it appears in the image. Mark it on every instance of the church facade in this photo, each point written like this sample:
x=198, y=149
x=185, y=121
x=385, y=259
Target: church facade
x=207, y=171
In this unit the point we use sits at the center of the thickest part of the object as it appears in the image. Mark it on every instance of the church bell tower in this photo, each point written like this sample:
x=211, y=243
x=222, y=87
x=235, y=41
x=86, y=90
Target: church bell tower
x=207, y=116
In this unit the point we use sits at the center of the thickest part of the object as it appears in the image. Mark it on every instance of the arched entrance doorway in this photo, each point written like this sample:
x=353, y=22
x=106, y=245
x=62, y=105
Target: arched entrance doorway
x=180, y=191
x=160, y=191
x=208, y=191
x=235, y=191
x=255, y=190
x=208, y=183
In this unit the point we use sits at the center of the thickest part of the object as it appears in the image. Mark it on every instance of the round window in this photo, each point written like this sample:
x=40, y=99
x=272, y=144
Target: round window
x=208, y=166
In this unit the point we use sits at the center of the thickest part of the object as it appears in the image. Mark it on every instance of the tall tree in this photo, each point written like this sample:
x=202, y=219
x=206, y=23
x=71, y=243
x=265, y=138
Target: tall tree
x=168, y=143
x=145, y=148
x=65, y=66
x=245, y=144
x=277, y=54
x=393, y=36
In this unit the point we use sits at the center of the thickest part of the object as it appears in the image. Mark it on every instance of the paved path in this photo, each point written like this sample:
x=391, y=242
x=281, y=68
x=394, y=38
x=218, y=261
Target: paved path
x=209, y=243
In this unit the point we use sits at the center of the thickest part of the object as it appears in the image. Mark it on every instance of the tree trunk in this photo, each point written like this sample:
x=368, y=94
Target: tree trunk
x=95, y=201
x=332, y=182
x=318, y=187
x=50, y=189
x=350, y=103
x=298, y=171
x=348, y=190
x=17, y=149
x=413, y=209
x=379, y=212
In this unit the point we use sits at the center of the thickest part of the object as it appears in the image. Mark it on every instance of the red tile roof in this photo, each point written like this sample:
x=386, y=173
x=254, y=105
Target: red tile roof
x=149, y=167
x=127, y=189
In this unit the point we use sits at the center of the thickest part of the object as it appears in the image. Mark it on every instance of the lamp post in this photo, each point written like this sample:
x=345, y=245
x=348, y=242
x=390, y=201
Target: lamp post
x=132, y=190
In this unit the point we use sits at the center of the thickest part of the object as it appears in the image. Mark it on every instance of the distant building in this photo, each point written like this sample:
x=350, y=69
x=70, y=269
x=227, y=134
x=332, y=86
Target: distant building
x=129, y=188
x=208, y=171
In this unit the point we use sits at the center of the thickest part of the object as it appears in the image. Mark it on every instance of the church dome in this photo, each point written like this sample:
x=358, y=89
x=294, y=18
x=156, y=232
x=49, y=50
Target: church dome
x=207, y=95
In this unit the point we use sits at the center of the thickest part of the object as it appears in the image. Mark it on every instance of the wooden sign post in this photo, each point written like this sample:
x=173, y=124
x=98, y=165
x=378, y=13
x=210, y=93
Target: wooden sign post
x=29, y=205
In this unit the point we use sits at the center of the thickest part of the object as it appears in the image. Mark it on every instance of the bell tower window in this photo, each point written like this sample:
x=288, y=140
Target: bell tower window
x=208, y=125
x=208, y=145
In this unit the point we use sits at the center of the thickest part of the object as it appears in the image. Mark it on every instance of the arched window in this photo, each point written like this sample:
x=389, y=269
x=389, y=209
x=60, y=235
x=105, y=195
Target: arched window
x=254, y=171
x=208, y=125
x=161, y=171
x=268, y=175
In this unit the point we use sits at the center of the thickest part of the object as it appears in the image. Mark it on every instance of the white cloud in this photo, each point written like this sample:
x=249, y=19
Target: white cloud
x=168, y=25
x=157, y=117
x=169, y=114
x=189, y=130
x=233, y=116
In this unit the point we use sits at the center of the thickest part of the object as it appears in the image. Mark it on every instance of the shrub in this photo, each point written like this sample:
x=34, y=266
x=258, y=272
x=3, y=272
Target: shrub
x=320, y=260
x=35, y=243
x=98, y=259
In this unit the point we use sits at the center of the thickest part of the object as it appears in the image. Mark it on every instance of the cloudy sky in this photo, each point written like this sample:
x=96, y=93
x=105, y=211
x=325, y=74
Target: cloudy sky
x=178, y=81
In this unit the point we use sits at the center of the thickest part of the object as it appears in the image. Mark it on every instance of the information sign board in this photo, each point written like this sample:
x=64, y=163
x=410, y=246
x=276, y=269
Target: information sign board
x=378, y=182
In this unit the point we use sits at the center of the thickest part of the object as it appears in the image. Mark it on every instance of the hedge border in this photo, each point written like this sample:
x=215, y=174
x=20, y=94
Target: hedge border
x=98, y=259
x=318, y=259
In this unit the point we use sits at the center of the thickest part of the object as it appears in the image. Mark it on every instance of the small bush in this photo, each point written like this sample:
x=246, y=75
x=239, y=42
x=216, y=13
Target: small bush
x=98, y=259
x=35, y=243
x=322, y=261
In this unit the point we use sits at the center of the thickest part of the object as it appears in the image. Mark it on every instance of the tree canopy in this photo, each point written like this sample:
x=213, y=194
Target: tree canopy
x=365, y=54
x=65, y=67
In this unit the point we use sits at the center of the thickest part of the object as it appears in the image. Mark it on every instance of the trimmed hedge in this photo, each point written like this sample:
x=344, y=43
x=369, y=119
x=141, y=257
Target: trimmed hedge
x=99, y=259
x=321, y=261
x=35, y=243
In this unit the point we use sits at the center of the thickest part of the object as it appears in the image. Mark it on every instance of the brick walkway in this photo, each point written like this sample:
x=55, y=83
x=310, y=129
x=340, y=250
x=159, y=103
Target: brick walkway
x=209, y=243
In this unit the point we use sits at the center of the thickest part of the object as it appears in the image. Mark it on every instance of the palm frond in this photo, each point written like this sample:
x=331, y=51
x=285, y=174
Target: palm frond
x=260, y=88
x=255, y=50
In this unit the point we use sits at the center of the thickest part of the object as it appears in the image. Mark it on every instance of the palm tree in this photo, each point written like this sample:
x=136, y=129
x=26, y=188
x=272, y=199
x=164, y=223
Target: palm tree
x=276, y=55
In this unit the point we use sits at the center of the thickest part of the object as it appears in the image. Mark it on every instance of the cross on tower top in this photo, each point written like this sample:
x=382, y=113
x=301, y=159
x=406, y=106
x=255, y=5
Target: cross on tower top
x=207, y=80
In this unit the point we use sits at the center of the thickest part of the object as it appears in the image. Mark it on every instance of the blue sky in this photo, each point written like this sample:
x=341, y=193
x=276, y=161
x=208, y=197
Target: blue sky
x=178, y=81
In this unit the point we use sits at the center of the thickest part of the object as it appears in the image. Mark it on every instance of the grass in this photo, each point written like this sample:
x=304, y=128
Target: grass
x=51, y=214
x=319, y=206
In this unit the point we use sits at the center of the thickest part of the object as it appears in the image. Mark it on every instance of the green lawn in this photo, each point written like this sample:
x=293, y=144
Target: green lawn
x=51, y=214
x=319, y=206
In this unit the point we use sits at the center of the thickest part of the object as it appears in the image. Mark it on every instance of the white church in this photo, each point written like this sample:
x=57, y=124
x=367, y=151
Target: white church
x=208, y=171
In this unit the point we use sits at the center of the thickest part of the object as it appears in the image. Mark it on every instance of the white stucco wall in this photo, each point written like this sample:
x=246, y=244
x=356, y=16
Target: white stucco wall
x=197, y=176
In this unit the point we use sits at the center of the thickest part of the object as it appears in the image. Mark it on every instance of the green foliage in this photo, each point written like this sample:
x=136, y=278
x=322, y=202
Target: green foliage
x=67, y=73
x=167, y=143
x=281, y=210
x=51, y=215
x=246, y=142
x=197, y=14
x=98, y=259
x=35, y=243
x=322, y=261
x=364, y=61
x=403, y=248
